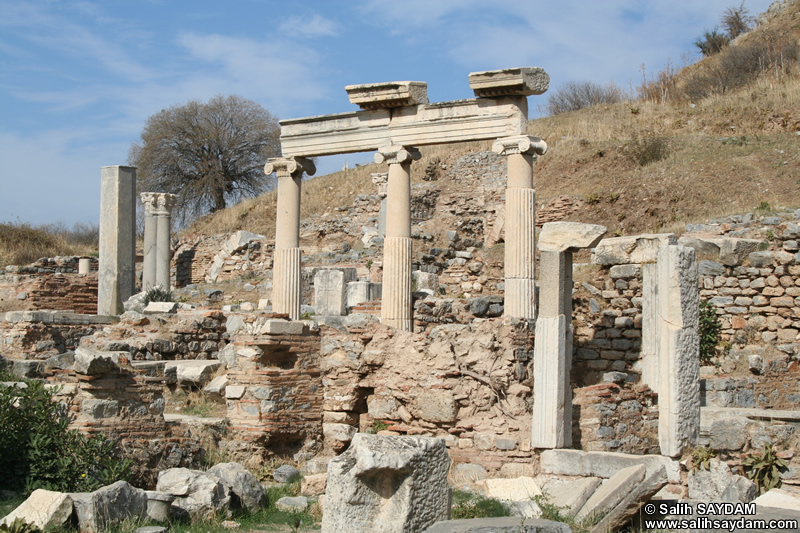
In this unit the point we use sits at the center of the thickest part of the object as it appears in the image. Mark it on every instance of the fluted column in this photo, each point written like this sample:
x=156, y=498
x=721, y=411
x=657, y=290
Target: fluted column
x=150, y=230
x=520, y=225
x=396, y=301
x=286, y=275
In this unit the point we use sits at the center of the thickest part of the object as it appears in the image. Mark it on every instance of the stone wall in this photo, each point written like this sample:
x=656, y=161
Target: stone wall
x=41, y=334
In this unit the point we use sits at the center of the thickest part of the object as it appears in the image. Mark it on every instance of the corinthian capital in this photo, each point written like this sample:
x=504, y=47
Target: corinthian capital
x=164, y=203
x=520, y=144
x=149, y=202
x=393, y=155
x=285, y=167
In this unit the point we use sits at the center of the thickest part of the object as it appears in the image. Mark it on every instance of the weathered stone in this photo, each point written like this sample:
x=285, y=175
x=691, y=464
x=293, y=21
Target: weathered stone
x=387, y=484
x=197, y=495
x=729, y=434
x=570, y=494
x=110, y=505
x=517, y=489
x=284, y=473
x=779, y=499
x=363, y=291
x=569, y=236
x=525, y=81
x=338, y=432
x=314, y=484
x=719, y=484
x=499, y=525
x=604, y=464
x=330, y=290
x=246, y=491
x=215, y=390
x=283, y=327
x=611, y=493
x=43, y=509
x=469, y=472
x=388, y=94
x=635, y=249
x=158, y=505
x=625, y=271
x=629, y=505
x=760, y=259
x=435, y=405
x=116, y=275
x=733, y=252
x=192, y=372
x=295, y=504
x=95, y=409
x=702, y=246
x=94, y=362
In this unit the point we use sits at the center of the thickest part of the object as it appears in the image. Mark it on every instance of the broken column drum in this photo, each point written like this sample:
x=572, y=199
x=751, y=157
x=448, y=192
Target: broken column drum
x=397, y=115
x=116, y=278
x=396, y=305
x=286, y=273
x=520, y=269
x=157, y=235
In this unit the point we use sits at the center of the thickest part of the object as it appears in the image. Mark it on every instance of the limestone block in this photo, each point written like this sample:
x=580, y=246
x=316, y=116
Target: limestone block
x=43, y=509
x=387, y=484
x=468, y=472
x=192, y=372
x=435, y=405
x=718, y=483
x=631, y=502
x=729, y=434
x=239, y=240
x=295, y=504
x=679, y=349
x=424, y=280
x=517, y=489
x=388, y=94
x=703, y=246
x=634, y=249
x=363, y=291
x=314, y=485
x=113, y=504
x=95, y=362
x=215, y=390
x=198, y=495
x=604, y=464
x=733, y=252
x=158, y=505
x=779, y=499
x=246, y=491
x=760, y=259
x=284, y=473
x=233, y=324
x=570, y=494
x=569, y=236
x=499, y=525
x=611, y=493
x=525, y=81
x=381, y=407
x=96, y=409
x=153, y=308
x=234, y=392
x=330, y=290
x=276, y=326
x=338, y=432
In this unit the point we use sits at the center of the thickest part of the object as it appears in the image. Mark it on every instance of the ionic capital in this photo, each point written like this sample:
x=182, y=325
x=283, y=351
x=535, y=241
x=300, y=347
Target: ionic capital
x=158, y=203
x=286, y=167
x=381, y=179
x=394, y=155
x=520, y=144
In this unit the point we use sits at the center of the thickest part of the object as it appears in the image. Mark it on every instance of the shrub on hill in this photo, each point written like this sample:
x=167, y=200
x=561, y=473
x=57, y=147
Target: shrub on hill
x=575, y=95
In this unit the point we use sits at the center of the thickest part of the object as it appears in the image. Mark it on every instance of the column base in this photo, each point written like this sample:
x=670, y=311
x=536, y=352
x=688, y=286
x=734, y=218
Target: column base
x=286, y=277
x=520, y=298
x=396, y=302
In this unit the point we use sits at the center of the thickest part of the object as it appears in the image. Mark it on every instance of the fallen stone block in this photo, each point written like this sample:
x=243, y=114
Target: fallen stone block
x=388, y=484
x=215, y=390
x=95, y=362
x=244, y=486
x=198, y=495
x=275, y=326
x=294, y=504
x=499, y=525
x=604, y=464
x=154, y=308
x=99, y=510
x=718, y=483
x=779, y=499
x=518, y=489
x=43, y=509
x=313, y=485
x=610, y=494
x=639, y=494
x=284, y=473
x=570, y=495
x=158, y=504
x=194, y=373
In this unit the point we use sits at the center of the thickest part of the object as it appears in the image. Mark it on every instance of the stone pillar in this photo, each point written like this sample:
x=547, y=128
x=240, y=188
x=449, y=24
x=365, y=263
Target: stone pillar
x=396, y=304
x=163, y=214
x=380, y=179
x=520, y=223
x=286, y=275
x=678, y=349
x=551, y=426
x=649, y=352
x=116, y=272
x=150, y=230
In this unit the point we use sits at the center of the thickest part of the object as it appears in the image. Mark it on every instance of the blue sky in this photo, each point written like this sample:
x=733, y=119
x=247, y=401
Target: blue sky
x=79, y=79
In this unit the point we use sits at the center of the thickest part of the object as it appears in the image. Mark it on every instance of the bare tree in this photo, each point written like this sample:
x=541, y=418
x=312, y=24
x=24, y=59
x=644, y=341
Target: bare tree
x=737, y=20
x=210, y=154
x=575, y=95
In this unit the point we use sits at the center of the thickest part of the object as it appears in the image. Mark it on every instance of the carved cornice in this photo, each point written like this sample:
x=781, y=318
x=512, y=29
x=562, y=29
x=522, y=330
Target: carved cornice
x=394, y=155
x=520, y=144
x=285, y=167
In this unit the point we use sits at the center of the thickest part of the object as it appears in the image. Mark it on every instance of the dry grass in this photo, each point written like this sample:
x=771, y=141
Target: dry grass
x=21, y=243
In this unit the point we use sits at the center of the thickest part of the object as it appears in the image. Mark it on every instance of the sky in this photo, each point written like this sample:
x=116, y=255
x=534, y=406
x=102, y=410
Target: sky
x=79, y=79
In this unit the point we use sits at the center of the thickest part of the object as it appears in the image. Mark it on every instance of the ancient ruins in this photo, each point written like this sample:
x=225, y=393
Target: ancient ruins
x=404, y=346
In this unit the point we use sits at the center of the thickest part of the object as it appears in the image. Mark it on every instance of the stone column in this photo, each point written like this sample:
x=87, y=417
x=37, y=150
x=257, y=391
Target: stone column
x=396, y=304
x=286, y=275
x=84, y=265
x=520, y=223
x=150, y=229
x=380, y=179
x=163, y=215
x=116, y=271
x=551, y=426
x=678, y=349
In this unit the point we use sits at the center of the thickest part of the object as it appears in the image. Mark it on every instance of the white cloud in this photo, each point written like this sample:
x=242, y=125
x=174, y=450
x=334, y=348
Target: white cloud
x=309, y=28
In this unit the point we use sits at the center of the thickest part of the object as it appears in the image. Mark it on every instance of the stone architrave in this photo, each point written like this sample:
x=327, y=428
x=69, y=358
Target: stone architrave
x=286, y=274
x=330, y=290
x=387, y=484
x=679, y=349
x=157, y=230
x=396, y=304
x=381, y=179
x=520, y=224
x=551, y=426
x=116, y=271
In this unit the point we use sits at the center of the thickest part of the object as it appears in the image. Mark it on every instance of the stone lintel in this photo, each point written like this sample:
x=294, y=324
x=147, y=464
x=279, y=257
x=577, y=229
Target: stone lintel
x=524, y=81
x=287, y=166
x=397, y=154
x=388, y=94
x=419, y=125
x=569, y=236
x=520, y=144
